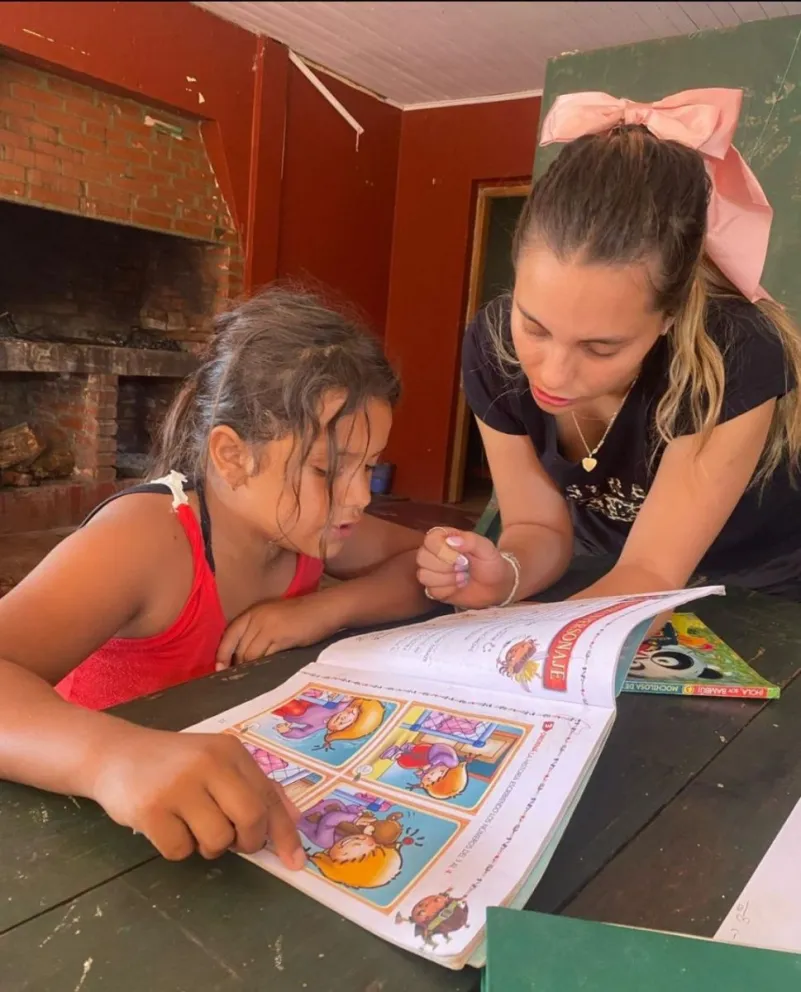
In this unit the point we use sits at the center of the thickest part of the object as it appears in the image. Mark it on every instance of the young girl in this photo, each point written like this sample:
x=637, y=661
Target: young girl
x=265, y=459
x=637, y=395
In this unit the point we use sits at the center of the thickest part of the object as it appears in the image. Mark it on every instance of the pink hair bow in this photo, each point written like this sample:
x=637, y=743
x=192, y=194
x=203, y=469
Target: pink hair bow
x=739, y=217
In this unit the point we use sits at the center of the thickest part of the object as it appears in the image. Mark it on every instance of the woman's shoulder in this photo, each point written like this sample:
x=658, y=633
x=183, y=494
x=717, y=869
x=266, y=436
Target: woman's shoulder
x=736, y=325
x=493, y=381
x=488, y=338
x=756, y=364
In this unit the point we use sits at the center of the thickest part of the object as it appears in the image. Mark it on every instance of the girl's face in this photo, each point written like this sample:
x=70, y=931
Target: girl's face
x=344, y=719
x=352, y=848
x=432, y=775
x=581, y=331
x=289, y=503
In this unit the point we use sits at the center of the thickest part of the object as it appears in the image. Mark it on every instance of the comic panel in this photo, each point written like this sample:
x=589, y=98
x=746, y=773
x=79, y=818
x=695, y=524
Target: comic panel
x=296, y=780
x=446, y=755
x=325, y=724
x=372, y=846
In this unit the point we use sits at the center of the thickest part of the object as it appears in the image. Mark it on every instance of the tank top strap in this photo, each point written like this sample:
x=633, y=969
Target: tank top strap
x=177, y=485
x=198, y=534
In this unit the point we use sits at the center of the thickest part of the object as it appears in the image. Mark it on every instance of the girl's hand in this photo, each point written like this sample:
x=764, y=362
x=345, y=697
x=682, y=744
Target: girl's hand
x=463, y=568
x=188, y=792
x=267, y=628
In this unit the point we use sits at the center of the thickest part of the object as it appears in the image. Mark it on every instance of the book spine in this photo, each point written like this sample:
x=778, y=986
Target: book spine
x=733, y=691
x=654, y=687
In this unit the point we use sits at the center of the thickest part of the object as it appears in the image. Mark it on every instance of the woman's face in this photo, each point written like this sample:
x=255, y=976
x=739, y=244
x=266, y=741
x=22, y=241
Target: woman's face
x=581, y=331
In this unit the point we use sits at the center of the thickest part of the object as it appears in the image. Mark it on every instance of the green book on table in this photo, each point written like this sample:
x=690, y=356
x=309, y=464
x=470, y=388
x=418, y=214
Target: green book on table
x=532, y=952
x=686, y=658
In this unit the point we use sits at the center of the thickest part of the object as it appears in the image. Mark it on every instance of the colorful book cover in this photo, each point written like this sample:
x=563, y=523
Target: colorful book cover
x=687, y=658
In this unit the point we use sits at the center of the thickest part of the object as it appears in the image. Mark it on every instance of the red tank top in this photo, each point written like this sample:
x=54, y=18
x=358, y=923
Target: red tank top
x=125, y=668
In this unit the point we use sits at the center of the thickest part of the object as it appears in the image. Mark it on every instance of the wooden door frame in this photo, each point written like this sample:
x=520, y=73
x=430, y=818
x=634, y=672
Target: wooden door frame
x=487, y=192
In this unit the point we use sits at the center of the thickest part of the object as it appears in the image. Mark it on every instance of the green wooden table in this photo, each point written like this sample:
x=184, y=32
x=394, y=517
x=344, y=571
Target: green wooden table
x=685, y=801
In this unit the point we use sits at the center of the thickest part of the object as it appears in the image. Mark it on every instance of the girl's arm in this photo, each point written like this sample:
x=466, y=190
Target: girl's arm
x=377, y=566
x=694, y=493
x=181, y=791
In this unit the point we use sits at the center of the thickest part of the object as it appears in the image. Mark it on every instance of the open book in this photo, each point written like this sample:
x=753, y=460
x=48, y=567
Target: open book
x=437, y=765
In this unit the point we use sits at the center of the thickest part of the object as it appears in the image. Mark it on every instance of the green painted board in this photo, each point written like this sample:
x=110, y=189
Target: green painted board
x=529, y=952
x=763, y=58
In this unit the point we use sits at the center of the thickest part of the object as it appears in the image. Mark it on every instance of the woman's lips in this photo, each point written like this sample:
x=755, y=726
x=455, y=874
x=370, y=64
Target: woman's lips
x=548, y=399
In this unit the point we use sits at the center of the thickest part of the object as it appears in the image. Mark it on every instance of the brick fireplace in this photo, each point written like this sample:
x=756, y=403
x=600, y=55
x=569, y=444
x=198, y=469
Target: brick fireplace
x=116, y=247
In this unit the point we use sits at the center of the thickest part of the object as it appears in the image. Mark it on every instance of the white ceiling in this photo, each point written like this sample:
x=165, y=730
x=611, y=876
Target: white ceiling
x=416, y=53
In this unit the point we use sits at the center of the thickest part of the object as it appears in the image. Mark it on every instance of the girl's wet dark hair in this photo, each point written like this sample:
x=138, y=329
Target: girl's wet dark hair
x=271, y=363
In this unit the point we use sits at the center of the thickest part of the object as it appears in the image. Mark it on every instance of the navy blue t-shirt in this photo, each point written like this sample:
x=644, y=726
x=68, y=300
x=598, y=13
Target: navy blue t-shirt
x=759, y=546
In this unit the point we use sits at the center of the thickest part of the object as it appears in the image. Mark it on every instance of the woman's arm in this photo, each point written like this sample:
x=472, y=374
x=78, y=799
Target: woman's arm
x=537, y=530
x=694, y=493
x=536, y=521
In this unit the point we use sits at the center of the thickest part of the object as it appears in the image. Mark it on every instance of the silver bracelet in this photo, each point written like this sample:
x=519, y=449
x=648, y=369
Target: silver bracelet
x=508, y=556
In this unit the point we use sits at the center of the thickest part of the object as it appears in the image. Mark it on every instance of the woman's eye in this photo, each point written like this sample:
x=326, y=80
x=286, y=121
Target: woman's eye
x=322, y=472
x=597, y=352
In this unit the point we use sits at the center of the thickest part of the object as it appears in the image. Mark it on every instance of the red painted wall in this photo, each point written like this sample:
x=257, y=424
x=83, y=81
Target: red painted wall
x=444, y=154
x=337, y=202
x=167, y=53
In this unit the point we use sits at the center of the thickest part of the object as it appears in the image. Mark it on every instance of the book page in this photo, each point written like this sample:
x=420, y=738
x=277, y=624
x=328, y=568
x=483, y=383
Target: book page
x=418, y=809
x=768, y=912
x=566, y=651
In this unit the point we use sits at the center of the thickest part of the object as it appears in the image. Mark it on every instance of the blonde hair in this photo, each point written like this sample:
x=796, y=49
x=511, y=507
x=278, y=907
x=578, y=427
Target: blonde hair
x=697, y=372
x=452, y=783
x=371, y=871
x=624, y=197
x=371, y=714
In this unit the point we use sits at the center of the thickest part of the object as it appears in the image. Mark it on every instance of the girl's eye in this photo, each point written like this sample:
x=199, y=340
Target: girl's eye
x=321, y=472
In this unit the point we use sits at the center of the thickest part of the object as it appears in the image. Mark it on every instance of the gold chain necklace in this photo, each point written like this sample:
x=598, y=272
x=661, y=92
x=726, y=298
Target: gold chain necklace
x=589, y=462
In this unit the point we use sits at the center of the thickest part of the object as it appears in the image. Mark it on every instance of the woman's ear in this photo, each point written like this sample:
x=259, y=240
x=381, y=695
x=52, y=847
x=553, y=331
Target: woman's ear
x=230, y=455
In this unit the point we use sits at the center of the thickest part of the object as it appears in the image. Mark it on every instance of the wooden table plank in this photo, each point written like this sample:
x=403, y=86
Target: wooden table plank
x=208, y=928
x=237, y=913
x=53, y=848
x=659, y=743
x=684, y=871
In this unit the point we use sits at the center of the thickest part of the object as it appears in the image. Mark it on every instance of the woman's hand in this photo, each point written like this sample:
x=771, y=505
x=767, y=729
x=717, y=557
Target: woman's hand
x=463, y=568
x=188, y=792
x=267, y=628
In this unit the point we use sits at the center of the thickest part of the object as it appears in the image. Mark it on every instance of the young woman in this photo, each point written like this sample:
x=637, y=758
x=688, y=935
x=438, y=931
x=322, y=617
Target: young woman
x=265, y=461
x=637, y=394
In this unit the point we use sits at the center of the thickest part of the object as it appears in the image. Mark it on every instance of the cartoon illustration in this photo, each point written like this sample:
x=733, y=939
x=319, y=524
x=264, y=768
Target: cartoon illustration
x=437, y=916
x=442, y=772
x=448, y=756
x=319, y=720
x=666, y=655
x=520, y=662
x=295, y=779
x=369, y=844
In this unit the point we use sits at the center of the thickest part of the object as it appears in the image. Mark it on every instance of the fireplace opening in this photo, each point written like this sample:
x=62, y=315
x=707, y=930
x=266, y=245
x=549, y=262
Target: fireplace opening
x=72, y=279
x=141, y=406
x=99, y=323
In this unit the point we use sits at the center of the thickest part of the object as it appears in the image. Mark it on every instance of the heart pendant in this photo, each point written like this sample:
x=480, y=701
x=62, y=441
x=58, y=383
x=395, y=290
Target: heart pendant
x=588, y=463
